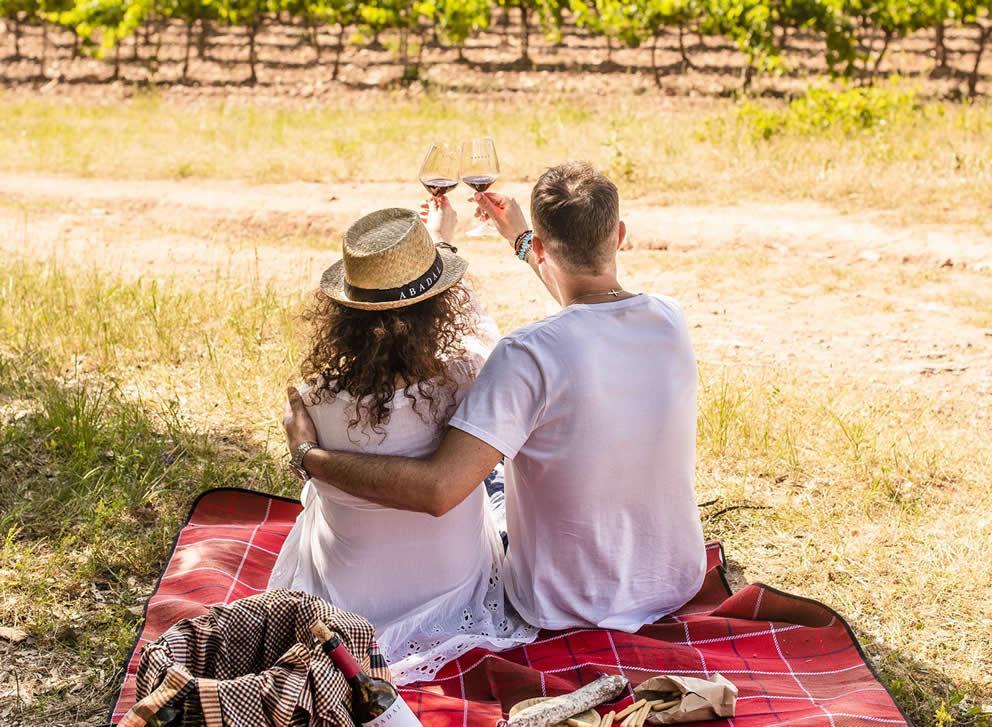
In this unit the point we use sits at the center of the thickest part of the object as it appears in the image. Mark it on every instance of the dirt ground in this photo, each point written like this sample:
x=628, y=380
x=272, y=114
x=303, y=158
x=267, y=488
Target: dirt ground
x=831, y=294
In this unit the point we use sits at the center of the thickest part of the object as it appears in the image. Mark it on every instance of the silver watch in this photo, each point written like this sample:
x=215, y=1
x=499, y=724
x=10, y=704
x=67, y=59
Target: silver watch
x=296, y=459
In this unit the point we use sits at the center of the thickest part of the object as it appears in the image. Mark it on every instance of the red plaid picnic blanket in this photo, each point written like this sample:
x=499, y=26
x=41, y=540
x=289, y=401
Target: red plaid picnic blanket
x=794, y=661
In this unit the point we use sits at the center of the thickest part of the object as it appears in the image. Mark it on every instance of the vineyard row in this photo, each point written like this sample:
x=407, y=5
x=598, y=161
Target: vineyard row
x=855, y=35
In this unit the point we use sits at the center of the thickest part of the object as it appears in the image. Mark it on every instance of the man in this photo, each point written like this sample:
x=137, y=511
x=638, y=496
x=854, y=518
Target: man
x=594, y=409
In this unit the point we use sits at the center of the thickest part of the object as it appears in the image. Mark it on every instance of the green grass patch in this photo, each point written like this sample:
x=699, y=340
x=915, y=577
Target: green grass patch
x=95, y=487
x=846, y=111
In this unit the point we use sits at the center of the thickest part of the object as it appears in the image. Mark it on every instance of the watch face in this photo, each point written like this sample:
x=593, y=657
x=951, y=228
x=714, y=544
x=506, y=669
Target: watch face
x=300, y=472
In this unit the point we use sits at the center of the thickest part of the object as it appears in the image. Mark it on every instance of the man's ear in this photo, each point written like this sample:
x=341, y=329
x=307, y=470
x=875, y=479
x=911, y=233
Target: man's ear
x=538, y=247
x=622, y=236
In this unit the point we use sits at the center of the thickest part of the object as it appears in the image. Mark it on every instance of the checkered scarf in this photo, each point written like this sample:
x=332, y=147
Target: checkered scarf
x=254, y=662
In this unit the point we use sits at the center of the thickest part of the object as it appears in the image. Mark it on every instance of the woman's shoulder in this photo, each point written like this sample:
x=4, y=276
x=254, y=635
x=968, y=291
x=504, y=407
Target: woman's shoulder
x=464, y=369
x=318, y=393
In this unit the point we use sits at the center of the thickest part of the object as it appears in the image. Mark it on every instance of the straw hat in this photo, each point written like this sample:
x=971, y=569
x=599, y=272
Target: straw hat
x=390, y=262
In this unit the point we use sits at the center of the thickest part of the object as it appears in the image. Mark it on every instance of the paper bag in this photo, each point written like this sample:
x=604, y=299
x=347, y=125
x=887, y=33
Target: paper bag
x=701, y=699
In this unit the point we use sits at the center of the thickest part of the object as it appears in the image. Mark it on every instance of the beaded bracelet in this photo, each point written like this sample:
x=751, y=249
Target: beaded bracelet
x=524, y=242
x=517, y=242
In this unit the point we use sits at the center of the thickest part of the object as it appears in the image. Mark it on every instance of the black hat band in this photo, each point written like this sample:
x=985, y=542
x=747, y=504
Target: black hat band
x=413, y=289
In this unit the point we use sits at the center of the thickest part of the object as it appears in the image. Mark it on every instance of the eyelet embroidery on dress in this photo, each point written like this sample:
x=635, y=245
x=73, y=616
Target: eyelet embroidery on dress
x=492, y=624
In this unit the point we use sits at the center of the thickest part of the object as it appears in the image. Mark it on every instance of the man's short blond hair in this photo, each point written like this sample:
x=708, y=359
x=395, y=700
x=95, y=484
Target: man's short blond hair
x=576, y=213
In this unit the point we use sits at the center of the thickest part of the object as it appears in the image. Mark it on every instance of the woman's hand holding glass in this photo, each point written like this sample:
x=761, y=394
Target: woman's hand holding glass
x=477, y=165
x=440, y=219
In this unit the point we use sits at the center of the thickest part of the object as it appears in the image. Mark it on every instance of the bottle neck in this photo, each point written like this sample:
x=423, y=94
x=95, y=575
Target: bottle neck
x=343, y=659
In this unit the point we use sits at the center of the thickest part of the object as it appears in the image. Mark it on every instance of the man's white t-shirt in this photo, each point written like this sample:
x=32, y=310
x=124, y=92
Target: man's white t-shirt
x=595, y=410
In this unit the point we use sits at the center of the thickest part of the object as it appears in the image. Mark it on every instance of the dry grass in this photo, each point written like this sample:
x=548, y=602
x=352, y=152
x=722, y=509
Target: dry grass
x=920, y=160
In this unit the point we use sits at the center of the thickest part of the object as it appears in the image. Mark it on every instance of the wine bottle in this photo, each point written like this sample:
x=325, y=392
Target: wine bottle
x=166, y=717
x=374, y=702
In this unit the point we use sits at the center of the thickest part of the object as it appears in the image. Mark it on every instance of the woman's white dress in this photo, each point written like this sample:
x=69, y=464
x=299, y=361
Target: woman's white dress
x=431, y=586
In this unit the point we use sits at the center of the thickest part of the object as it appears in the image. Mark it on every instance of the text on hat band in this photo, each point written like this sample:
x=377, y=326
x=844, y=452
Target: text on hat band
x=406, y=291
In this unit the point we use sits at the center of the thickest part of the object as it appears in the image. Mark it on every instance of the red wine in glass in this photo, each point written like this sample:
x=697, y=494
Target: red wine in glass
x=439, y=172
x=479, y=182
x=479, y=170
x=439, y=186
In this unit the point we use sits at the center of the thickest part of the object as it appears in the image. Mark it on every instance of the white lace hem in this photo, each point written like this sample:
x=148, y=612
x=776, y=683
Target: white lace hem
x=416, y=652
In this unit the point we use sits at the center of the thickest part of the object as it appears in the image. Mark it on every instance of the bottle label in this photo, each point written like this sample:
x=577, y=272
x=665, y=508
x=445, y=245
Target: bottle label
x=399, y=714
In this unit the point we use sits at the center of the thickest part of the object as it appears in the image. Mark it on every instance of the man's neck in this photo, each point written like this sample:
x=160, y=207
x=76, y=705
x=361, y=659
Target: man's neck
x=591, y=289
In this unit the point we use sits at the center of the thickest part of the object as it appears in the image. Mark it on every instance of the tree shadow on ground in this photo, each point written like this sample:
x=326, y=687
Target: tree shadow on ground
x=96, y=487
x=927, y=695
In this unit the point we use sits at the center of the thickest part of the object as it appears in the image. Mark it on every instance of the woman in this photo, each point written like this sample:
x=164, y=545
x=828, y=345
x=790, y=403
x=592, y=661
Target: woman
x=390, y=358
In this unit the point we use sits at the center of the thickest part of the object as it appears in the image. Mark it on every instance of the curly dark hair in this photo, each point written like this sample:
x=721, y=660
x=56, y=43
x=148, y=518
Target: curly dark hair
x=370, y=354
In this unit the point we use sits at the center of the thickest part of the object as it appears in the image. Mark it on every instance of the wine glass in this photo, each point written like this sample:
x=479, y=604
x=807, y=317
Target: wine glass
x=439, y=172
x=479, y=170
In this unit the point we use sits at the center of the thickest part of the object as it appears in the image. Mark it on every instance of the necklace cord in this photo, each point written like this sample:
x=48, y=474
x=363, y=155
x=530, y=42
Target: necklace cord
x=615, y=292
